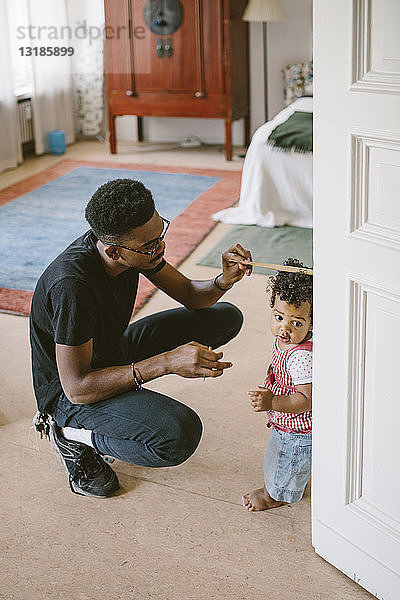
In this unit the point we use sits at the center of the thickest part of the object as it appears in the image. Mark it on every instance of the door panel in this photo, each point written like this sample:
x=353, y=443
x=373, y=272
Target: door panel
x=212, y=45
x=181, y=68
x=373, y=439
x=118, y=65
x=385, y=39
x=376, y=50
x=381, y=434
x=149, y=69
x=376, y=185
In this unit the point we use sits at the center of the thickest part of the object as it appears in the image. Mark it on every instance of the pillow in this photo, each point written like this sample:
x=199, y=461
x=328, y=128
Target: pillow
x=308, y=78
x=297, y=81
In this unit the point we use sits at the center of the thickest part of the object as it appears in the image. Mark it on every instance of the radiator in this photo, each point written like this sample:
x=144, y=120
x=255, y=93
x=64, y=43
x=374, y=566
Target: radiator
x=25, y=124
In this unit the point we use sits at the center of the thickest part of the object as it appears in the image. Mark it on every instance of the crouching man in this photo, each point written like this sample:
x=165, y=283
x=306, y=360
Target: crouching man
x=89, y=364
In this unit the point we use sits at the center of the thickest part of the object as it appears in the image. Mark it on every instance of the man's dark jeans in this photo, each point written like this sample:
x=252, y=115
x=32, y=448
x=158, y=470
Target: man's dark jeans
x=144, y=427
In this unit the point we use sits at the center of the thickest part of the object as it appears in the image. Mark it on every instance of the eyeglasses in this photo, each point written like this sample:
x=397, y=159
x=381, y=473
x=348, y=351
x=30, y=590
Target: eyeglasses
x=155, y=246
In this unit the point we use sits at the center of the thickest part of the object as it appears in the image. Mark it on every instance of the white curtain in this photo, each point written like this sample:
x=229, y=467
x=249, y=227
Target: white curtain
x=53, y=93
x=87, y=18
x=10, y=148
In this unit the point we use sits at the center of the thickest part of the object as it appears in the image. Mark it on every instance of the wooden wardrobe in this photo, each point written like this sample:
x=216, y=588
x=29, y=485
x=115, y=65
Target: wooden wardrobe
x=177, y=58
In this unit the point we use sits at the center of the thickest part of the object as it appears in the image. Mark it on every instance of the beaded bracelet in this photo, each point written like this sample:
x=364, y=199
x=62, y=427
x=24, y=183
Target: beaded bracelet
x=218, y=286
x=136, y=380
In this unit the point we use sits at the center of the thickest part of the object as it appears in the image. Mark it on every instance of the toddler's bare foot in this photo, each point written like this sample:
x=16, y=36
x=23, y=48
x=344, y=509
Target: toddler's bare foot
x=259, y=500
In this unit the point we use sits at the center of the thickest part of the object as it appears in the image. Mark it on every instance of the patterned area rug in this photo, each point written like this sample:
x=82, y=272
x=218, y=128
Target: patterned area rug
x=42, y=214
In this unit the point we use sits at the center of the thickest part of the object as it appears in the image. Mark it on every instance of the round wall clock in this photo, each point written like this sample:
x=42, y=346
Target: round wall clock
x=163, y=17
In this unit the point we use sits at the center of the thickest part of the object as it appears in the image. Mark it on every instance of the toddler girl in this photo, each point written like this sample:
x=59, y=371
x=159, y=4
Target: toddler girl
x=286, y=394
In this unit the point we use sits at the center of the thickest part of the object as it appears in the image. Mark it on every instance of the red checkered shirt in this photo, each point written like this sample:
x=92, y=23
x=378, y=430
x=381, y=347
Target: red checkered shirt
x=280, y=382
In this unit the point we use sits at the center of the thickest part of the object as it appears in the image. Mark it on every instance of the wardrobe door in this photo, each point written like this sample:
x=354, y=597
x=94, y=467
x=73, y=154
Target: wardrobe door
x=118, y=60
x=149, y=68
x=213, y=47
x=186, y=61
x=184, y=68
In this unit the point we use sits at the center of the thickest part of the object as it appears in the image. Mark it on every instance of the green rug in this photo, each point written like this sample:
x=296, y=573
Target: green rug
x=267, y=245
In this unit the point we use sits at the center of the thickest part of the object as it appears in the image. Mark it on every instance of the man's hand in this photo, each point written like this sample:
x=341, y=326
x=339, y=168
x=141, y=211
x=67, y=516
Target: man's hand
x=233, y=270
x=260, y=399
x=195, y=360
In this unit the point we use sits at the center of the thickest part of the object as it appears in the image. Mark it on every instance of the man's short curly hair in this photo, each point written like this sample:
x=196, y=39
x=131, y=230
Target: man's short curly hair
x=294, y=288
x=117, y=207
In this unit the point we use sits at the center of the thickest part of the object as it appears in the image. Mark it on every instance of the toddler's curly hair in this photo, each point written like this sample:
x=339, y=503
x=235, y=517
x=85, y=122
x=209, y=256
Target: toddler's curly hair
x=293, y=288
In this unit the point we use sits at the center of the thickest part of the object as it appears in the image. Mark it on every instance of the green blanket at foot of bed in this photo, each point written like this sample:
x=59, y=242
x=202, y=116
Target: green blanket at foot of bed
x=294, y=134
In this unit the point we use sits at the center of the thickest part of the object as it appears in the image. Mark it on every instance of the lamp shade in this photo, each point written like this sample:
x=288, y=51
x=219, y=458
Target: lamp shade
x=264, y=10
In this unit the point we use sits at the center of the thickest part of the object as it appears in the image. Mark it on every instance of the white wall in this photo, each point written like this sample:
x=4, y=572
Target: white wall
x=288, y=41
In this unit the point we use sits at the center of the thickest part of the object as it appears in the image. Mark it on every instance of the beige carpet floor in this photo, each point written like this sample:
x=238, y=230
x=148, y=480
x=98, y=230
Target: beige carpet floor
x=170, y=534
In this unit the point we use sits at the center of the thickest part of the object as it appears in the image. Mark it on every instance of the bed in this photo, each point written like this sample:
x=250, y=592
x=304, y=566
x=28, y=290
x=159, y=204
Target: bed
x=276, y=187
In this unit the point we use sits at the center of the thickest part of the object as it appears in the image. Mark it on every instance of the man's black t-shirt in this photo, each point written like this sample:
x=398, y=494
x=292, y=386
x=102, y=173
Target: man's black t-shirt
x=75, y=300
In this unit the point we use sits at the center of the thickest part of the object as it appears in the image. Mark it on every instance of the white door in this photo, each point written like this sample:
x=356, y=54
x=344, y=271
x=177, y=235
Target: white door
x=356, y=407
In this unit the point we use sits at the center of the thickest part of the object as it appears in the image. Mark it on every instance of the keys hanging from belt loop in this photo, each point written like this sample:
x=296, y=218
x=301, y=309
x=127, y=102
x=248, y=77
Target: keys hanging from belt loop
x=41, y=423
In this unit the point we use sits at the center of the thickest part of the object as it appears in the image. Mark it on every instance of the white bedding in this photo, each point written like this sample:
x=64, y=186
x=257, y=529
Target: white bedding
x=276, y=186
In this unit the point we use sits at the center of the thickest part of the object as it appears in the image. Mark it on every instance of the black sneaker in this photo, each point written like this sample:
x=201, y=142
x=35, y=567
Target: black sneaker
x=88, y=474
